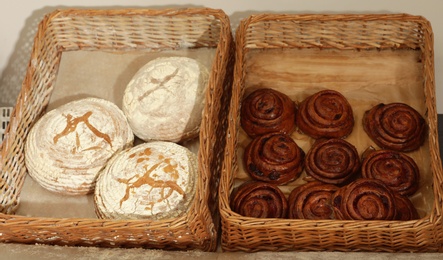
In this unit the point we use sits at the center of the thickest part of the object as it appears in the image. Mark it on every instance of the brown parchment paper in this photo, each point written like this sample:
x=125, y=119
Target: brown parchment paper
x=93, y=74
x=365, y=78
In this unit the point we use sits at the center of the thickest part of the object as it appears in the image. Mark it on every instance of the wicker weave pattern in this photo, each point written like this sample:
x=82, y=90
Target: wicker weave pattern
x=341, y=32
x=120, y=30
x=347, y=33
x=171, y=30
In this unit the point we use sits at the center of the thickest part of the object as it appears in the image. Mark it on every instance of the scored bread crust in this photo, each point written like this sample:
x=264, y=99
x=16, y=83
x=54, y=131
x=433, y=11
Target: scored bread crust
x=165, y=98
x=154, y=180
x=68, y=146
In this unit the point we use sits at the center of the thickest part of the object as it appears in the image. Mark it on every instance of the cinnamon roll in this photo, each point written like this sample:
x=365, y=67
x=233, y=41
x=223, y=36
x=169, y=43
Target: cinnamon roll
x=275, y=158
x=333, y=161
x=405, y=209
x=327, y=114
x=312, y=201
x=395, y=126
x=397, y=170
x=266, y=110
x=364, y=199
x=260, y=200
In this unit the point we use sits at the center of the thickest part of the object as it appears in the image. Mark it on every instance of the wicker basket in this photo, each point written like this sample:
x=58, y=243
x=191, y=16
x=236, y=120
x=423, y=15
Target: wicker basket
x=120, y=31
x=338, y=34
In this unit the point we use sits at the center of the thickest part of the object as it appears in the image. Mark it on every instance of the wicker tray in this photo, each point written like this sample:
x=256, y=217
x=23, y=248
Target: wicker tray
x=314, y=46
x=120, y=31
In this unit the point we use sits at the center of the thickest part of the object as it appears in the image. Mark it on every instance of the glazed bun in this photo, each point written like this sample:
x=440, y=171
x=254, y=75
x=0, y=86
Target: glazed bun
x=397, y=170
x=267, y=110
x=325, y=114
x=364, y=199
x=274, y=158
x=312, y=200
x=405, y=210
x=333, y=161
x=259, y=200
x=395, y=126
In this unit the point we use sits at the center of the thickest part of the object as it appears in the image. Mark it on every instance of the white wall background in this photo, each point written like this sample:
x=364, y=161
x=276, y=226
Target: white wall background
x=19, y=20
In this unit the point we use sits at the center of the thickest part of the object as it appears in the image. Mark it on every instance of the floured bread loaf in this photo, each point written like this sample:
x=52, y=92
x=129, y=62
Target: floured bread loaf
x=154, y=180
x=68, y=146
x=164, y=100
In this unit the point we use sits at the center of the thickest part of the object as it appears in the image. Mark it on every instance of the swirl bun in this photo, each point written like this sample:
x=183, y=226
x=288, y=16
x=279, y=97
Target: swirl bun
x=326, y=114
x=312, y=201
x=333, y=161
x=274, y=158
x=364, y=199
x=395, y=126
x=397, y=170
x=259, y=200
x=267, y=110
x=405, y=209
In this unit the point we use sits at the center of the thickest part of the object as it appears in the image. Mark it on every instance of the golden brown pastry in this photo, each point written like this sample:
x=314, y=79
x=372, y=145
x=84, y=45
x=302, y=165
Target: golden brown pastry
x=266, y=110
x=397, y=170
x=259, y=200
x=364, y=199
x=333, y=161
x=395, y=126
x=312, y=201
x=274, y=158
x=326, y=113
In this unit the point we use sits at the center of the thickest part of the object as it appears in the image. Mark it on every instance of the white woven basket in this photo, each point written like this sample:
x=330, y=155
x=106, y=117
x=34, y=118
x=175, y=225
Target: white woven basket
x=5, y=113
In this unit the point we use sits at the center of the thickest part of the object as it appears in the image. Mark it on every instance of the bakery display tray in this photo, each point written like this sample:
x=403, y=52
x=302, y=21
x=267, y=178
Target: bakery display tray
x=79, y=53
x=370, y=59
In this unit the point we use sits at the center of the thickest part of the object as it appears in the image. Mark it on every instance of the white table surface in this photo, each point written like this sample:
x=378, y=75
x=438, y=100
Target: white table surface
x=44, y=252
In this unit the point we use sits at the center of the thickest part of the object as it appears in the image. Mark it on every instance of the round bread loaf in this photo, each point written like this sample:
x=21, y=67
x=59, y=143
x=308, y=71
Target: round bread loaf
x=164, y=100
x=154, y=180
x=68, y=146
